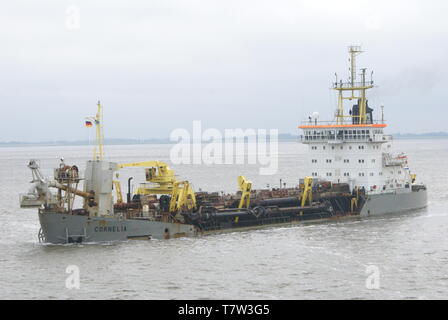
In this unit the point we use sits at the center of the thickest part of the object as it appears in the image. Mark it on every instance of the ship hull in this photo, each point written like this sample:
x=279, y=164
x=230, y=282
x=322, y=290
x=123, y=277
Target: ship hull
x=61, y=228
x=380, y=204
x=65, y=228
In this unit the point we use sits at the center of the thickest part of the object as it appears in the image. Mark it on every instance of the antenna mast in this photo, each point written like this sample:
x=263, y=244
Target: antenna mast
x=353, y=86
x=353, y=51
x=98, y=150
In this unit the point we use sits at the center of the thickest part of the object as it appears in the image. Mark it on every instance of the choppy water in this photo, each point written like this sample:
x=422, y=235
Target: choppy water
x=321, y=261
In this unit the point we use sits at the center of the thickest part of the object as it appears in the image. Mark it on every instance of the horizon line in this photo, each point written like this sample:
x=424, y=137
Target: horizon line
x=282, y=136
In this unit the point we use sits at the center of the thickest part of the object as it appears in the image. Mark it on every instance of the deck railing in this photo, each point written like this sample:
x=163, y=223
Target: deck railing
x=355, y=85
x=344, y=138
x=334, y=123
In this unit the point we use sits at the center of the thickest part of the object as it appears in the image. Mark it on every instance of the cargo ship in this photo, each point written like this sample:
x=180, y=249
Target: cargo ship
x=351, y=174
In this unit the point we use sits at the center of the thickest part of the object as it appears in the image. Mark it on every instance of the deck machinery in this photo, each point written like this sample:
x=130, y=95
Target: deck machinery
x=163, y=207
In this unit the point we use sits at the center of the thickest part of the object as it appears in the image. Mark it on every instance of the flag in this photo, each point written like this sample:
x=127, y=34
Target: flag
x=88, y=124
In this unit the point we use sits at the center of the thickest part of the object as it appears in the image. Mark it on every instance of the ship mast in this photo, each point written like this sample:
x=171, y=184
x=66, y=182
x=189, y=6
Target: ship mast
x=357, y=89
x=98, y=150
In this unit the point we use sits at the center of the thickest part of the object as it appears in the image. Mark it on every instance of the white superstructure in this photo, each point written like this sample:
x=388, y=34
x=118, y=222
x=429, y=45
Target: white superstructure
x=352, y=148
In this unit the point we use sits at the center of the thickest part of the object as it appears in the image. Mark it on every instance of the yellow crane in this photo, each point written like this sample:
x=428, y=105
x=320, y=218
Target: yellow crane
x=117, y=186
x=163, y=181
x=156, y=172
x=245, y=187
x=307, y=194
x=182, y=197
x=354, y=202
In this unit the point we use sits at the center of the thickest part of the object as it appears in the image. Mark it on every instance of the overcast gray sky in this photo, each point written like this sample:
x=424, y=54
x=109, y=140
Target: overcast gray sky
x=157, y=65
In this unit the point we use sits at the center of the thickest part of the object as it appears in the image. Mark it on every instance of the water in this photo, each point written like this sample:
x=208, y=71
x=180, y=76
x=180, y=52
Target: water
x=322, y=261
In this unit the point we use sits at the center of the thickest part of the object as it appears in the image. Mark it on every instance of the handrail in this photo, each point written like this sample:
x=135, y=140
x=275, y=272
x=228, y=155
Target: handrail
x=333, y=122
x=354, y=86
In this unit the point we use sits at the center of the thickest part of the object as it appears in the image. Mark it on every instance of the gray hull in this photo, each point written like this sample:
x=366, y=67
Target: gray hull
x=394, y=202
x=65, y=228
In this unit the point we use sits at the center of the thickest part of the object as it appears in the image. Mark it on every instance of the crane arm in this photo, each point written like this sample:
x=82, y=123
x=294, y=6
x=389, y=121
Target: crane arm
x=161, y=174
x=245, y=187
x=307, y=191
x=157, y=164
x=117, y=185
x=183, y=197
x=157, y=172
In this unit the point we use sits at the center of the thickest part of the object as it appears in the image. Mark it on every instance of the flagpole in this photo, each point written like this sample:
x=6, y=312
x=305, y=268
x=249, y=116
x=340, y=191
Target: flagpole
x=98, y=150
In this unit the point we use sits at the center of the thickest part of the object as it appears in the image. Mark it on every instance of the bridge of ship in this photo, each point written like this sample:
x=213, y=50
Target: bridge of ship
x=338, y=133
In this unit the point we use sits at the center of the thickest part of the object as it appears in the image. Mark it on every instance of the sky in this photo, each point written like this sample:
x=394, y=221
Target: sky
x=158, y=65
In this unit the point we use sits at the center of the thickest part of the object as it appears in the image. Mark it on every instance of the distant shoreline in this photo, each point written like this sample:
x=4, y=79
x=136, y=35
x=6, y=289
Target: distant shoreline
x=282, y=138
